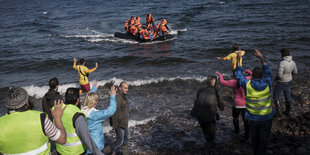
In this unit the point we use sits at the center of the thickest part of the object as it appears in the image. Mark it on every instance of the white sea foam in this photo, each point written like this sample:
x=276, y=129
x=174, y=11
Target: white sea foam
x=39, y=91
x=131, y=123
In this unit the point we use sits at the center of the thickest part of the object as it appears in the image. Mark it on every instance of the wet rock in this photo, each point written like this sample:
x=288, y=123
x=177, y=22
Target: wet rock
x=301, y=150
x=292, y=125
x=296, y=133
x=296, y=91
x=285, y=150
x=188, y=142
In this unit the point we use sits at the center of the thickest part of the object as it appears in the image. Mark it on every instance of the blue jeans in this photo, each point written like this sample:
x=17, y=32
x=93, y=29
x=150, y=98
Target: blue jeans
x=122, y=138
x=260, y=133
x=286, y=88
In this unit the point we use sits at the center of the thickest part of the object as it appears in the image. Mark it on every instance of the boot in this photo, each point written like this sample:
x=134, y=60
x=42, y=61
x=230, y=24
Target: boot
x=278, y=108
x=125, y=149
x=107, y=150
x=287, y=108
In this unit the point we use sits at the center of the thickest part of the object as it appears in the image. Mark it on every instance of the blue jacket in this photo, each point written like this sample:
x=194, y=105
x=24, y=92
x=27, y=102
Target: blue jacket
x=95, y=119
x=259, y=85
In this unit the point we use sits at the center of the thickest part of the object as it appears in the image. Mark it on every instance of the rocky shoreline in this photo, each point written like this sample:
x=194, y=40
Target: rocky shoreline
x=178, y=133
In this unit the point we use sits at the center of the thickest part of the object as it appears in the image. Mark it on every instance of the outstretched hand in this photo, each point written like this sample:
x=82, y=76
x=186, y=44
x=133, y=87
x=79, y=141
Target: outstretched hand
x=219, y=58
x=113, y=91
x=58, y=109
x=74, y=60
x=258, y=54
x=96, y=65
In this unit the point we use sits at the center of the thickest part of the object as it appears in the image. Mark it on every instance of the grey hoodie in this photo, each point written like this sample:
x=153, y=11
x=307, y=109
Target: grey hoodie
x=286, y=68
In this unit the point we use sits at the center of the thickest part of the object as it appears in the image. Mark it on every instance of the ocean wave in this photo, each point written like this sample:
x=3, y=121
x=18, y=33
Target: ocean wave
x=39, y=91
x=131, y=123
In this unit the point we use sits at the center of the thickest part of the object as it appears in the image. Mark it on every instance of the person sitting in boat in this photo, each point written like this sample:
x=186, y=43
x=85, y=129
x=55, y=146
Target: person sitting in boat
x=128, y=23
x=162, y=28
x=137, y=22
x=149, y=20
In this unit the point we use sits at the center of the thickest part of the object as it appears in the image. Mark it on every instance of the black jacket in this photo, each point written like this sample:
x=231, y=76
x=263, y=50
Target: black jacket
x=121, y=115
x=205, y=105
x=48, y=101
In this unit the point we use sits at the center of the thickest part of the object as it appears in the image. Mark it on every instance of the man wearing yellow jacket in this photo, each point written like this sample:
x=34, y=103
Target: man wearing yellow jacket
x=25, y=131
x=259, y=111
x=83, y=72
x=233, y=56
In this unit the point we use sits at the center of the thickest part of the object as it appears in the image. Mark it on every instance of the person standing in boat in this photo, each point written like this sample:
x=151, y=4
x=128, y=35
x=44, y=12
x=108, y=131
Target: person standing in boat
x=149, y=21
x=83, y=72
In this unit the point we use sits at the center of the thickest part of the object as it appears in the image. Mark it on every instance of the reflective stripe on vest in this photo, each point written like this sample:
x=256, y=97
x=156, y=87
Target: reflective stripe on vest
x=36, y=151
x=258, y=102
x=73, y=144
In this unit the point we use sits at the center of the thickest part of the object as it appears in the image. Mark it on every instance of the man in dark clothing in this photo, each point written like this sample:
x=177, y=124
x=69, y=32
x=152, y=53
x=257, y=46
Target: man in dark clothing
x=205, y=110
x=50, y=97
x=119, y=121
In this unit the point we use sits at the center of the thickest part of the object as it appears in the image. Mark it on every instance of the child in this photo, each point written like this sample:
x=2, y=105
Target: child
x=233, y=56
x=96, y=117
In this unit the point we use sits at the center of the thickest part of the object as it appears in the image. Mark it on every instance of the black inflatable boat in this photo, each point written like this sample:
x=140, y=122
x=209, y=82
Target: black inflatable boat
x=131, y=37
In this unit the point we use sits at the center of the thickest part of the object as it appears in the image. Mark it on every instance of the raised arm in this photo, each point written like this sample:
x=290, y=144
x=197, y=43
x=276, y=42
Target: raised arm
x=74, y=64
x=267, y=71
x=239, y=73
x=57, y=114
x=225, y=58
x=104, y=114
x=93, y=69
x=260, y=56
x=228, y=83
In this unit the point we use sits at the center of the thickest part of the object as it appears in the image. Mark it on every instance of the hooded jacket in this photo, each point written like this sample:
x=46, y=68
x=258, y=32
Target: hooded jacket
x=258, y=84
x=48, y=101
x=286, y=68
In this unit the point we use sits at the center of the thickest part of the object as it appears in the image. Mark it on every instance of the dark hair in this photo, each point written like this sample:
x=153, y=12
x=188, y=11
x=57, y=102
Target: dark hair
x=257, y=73
x=53, y=83
x=285, y=52
x=235, y=47
x=82, y=61
x=121, y=84
x=72, y=95
x=210, y=78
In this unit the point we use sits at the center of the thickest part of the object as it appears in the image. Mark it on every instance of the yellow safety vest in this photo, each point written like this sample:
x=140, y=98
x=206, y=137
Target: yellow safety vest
x=73, y=144
x=258, y=102
x=22, y=133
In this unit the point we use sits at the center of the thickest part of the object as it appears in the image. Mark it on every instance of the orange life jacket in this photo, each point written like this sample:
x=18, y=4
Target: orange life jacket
x=146, y=35
x=149, y=19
